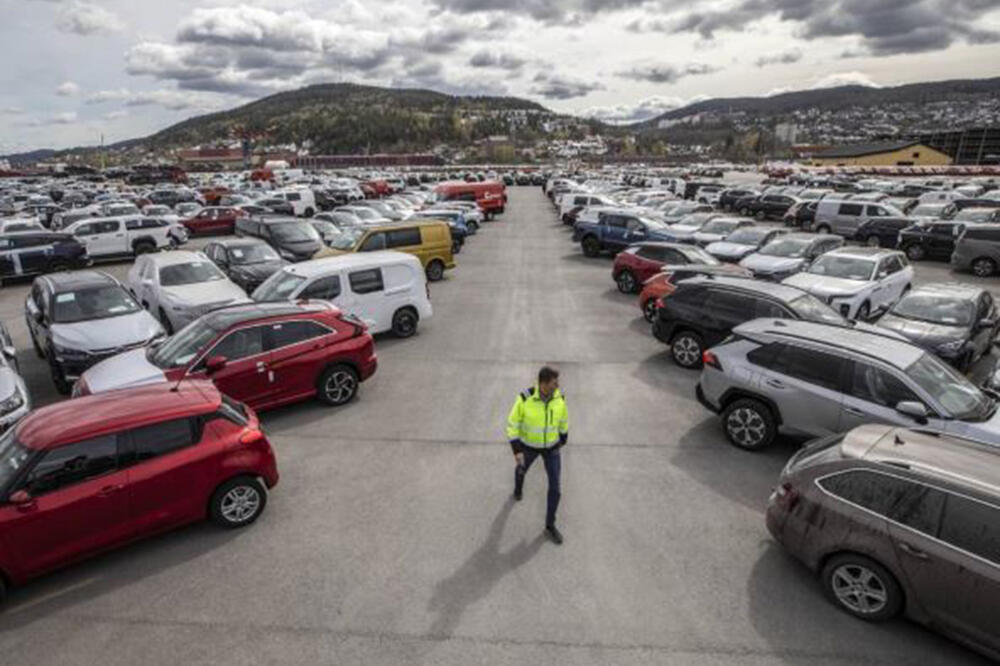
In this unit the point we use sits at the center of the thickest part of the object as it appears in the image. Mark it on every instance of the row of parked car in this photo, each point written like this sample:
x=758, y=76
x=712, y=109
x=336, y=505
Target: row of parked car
x=895, y=503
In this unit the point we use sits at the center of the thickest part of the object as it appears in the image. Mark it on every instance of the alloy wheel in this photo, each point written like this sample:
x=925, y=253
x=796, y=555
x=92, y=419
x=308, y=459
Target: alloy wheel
x=626, y=282
x=747, y=427
x=687, y=351
x=859, y=588
x=340, y=387
x=240, y=504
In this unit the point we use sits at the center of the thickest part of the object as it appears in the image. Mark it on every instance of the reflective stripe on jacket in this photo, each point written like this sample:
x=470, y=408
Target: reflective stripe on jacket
x=537, y=423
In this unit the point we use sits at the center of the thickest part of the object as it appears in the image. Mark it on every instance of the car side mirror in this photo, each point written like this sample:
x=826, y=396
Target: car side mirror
x=987, y=323
x=21, y=499
x=214, y=364
x=9, y=351
x=881, y=275
x=916, y=410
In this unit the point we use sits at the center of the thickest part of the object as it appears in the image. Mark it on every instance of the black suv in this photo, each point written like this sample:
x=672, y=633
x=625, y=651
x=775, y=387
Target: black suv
x=702, y=312
x=294, y=239
x=767, y=206
x=34, y=252
x=245, y=261
x=881, y=231
x=929, y=240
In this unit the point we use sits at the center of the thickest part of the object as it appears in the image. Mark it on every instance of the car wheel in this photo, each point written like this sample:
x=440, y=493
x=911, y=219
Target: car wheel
x=914, y=252
x=863, y=311
x=58, y=265
x=338, y=385
x=760, y=215
x=649, y=310
x=165, y=320
x=309, y=212
x=591, y=246
x=435, y=270
x=59, y=379
x=626, y=282
x=686, y=349
x=871, y=241
x=745, y=212
x=237, y=502
x=749, y=424
x=823, y=229
x=474, y=226
x=143, y=247
x=404, y=323
x=984, y=267
x=862, y=587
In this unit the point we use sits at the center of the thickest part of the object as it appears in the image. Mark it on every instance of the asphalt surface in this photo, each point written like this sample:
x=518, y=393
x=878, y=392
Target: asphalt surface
x=392, y=539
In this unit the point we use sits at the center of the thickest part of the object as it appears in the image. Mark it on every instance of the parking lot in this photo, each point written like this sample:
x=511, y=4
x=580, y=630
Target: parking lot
x=392, y=537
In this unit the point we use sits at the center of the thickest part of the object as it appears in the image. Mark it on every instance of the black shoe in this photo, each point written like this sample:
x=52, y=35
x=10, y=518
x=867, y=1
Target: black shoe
x=517, y=495
x=554, y=534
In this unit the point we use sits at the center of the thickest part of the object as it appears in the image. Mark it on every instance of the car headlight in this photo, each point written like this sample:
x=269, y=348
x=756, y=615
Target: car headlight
x=63, y=353
x=12, y=403
x=951, y=347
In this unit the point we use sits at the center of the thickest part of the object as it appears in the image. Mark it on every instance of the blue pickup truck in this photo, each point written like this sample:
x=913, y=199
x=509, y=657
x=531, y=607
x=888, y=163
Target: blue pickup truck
x=613, y=232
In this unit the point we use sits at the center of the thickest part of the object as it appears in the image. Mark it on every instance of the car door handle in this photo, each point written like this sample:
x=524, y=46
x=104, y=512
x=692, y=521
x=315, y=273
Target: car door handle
x=854, y=411
x=912, y=552
x=107, y=491
x=775, y=383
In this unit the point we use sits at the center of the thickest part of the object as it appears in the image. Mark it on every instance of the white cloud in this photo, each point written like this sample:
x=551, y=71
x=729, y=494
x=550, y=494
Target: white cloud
x=115, y=115
x=644, y=109
x=845, y=79
x=174, y=100
x=68, y=89
x=84, y=18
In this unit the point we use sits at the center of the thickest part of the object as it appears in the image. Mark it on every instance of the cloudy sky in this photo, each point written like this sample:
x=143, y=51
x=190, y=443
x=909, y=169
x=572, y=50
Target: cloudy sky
x=75, y=69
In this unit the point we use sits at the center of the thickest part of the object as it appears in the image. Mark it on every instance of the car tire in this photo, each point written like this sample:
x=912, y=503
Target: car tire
x=435, y=270
x=626, y=282
x=309, y=212
x=871, y=241
x=591, y=246
x=143, y=247
x=58, y=265
x=165, y=321
x=686, y=349
x=404, y=322
x=337, y=385
x=864, y=310
x=984, y=267
x=745, y=212
x=649, y=310
x=749, y=424
x=237, y=502
x=862, y=587
x=760, y=215
x=915, y=252
x=474, y=226
x=823, y=229
x=63, y=387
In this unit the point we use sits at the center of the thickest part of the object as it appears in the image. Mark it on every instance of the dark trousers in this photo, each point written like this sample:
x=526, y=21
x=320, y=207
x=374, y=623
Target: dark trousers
x=553, y=465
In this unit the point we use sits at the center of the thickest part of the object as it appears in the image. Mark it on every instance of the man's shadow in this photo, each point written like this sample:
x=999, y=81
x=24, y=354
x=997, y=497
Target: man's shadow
x=477, y=575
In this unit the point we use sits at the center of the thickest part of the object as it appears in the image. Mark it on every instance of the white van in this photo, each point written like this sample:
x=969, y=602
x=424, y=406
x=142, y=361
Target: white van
x=387, y=290
x=843, y=217
x=303, y=201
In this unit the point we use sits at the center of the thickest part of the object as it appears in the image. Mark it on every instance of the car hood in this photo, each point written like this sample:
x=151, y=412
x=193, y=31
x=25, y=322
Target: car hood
x=724, y=249
x=923, y=333
x=107, y=333
x=762, y=263
x=124, y=370
x=707, y=237
x=683, y=229
x=258, y=271
x=214, y=291
x=824, y=285
x=302, y=247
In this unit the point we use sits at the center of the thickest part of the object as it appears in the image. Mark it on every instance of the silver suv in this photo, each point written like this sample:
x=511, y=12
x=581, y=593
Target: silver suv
x=805, y=378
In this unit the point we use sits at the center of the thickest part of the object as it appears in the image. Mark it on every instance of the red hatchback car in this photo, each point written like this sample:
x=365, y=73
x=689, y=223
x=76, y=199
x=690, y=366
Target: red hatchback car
x=263, y=354
x=83, y=476
x=641, y=261
x=213, y=220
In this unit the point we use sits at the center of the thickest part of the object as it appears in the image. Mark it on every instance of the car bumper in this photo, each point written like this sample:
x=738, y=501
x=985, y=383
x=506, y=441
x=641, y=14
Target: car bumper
x=705, y=402
x=662, y=332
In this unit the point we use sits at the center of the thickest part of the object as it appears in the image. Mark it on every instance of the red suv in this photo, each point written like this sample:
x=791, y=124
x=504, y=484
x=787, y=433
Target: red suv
x=641, y=261
x=84, y=476
x=263, y=354
x=213, y=220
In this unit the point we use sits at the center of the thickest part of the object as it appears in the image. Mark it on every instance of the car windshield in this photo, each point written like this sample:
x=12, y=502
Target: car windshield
x=747, y=236
x=348, y=239
x=189, y=273
x=721, y=227
x=935, y=309
x=183, y=347
x=278, y=287
x=844, y=267
x=974, y=215
x=325, y=228
x=811, y=308
x=786, y=247
x=365, y=213
x=253, y=254
x=13, y=456
x=928, y=210
x=157, y=210
x=951, y=390
x=93, y=303
x=294, y=232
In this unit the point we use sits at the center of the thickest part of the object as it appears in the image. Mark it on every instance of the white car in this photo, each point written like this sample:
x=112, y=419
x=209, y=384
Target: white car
x=178, y=287
x=302, y=201
x=856, y=281
x=387, y=290
x=107, y=237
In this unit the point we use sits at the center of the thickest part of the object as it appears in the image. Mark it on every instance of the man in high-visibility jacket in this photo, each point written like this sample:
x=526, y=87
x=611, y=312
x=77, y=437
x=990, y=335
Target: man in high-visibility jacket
x=538, y=425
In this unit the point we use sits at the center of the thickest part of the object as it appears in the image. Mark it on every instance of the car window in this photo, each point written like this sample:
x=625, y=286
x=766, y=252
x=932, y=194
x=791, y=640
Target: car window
x=73, y=463
x=239, y=344
x=616, y=221
x=293, y=332
x=771, y=310
x=850, y=209
x=811, y=366
x=868, y=489
x=327, y=287
x=919, y=508
x=161, y=438
x=972, y=526
x=730, y=306
x=403, y=237
x=982, y=234
x=875, y=211
x=874, y=384
x=366, y=282
x=374, y=242
x=108, y=226
x=632, y=224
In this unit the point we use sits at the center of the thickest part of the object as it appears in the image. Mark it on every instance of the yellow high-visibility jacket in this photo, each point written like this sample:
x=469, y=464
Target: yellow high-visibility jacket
x=536, y=423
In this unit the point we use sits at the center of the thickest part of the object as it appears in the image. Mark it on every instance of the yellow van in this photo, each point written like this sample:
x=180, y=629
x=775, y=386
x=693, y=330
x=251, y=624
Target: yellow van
x=428, y=240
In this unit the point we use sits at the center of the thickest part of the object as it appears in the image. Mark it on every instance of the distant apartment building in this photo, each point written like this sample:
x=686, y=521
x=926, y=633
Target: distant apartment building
x=787, y=133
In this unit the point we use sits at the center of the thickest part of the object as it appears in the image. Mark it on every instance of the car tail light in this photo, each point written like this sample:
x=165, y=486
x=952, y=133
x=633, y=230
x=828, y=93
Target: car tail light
x=251, y=436
x=711, y=360
x=786, y=496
